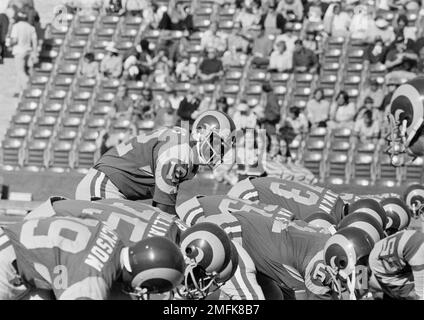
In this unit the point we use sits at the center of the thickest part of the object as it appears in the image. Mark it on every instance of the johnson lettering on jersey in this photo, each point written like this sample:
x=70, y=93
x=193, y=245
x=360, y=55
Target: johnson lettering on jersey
x=300, y=199
x=76, y=258
x=151, y=165
x=193, y=209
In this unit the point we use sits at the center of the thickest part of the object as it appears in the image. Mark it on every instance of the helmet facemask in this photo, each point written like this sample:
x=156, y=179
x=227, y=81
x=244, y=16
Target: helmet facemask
x=212, y=148
x=400, y=141
x=198, y=283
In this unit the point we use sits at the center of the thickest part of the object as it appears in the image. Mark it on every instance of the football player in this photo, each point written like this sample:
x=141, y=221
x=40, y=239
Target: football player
x=397, y=265
x=82, y=259
x=194, y=208
x=289, y=254
x=152, y=165
x=299, y=198
x=414, y=199
x=134, y=221
x=406, y=137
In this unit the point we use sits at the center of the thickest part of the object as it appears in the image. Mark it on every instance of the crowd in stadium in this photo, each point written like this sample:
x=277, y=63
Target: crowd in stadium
x=259, y=32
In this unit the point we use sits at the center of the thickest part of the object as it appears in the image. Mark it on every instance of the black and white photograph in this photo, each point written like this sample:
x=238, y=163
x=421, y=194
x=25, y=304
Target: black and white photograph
x=212, y=154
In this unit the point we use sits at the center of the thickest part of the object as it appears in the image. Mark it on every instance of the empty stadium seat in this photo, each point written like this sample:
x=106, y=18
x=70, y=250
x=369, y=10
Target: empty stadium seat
x=86, y=154
x=61, y=154
x=363, y=169
x=315, y=144
x=387, y=174
x=414, y=172
x=337, y=167
x=341, y=134
x=12, y=152
x=279, y=78
x=53, y=108
x=17, y=133
x=312, y=161
x=36, y=151
x=28, y=107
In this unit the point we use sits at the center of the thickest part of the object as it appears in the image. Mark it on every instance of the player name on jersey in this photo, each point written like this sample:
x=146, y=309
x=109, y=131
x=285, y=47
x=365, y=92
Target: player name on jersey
x=101, y=251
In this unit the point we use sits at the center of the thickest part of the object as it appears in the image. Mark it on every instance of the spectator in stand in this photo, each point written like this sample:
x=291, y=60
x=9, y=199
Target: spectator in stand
x=400, y=61
x=162, y=75
x=292, y=10
x=314, y=15
x=135, y=7
x=222, y=104
x=272, y=21
x=262, y=48
x=173, y=98
x=382, y=31
x=123, y=105
x=311, y=42
x=187, y=111
x=272, y=114
x=237, y=40
x=89, y=66
x=366, y=129
x=420, y=64
x=304, y=60
x=4, y=29
x=392, y=85
x=244, y=117
x=298, y=121
x=246, y=18
x=210, y=68
x=362, y=25
x=374, y=91
x=140, y=57
x=318, y=109
x=24, y=41
x=177, y=17
x=166, y=116
x=342, y=112
x=281, y=59
x=185, y=69
x=153, y=15
x=368, y=105
x=212, y=38
x=234, y=57
x=289, y=39
x=376, y=52
x=336, y=22
x=111, y=65
x=115, y=7
x=402, y=29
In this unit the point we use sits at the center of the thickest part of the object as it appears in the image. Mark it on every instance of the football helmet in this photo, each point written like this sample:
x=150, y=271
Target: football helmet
x=153, y=265
x=406, y=118
x=231, y=267
x=207, y=250
x=371, y=207
x=343, y=253
x=398, y=215
x=414, y=198
x=322, y=220
x=365, y=222
x=214, y=132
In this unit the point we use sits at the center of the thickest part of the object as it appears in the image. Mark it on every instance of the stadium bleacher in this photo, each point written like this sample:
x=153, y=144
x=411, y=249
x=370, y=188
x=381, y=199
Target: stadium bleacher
x=61, y=116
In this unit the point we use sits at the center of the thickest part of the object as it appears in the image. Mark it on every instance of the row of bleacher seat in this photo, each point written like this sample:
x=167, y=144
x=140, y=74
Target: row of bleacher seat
x=336, y=157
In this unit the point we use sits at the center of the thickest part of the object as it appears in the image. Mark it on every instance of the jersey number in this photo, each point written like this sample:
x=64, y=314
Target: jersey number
x=308, y=199
x=56, y=236
x=123, y=148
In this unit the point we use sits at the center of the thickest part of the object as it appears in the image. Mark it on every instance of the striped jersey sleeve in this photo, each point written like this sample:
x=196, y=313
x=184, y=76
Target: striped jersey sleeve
x=245, y=190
